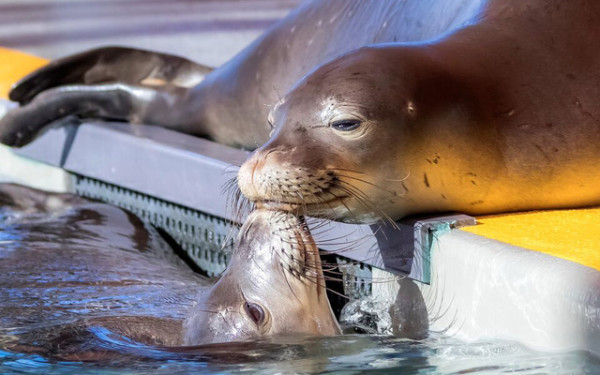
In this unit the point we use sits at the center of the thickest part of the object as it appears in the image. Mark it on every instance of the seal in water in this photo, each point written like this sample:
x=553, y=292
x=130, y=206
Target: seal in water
x=497, y=115
x=69, y=266
x=274, y=284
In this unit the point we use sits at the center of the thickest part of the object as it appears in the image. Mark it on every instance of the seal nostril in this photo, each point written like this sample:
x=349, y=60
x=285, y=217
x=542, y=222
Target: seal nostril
x=255, y=312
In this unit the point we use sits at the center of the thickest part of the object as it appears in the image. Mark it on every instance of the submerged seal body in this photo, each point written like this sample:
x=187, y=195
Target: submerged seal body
x=70, y=266
x=498, y=116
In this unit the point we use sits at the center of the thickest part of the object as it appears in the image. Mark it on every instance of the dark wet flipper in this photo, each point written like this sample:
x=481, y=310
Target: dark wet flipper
x=111, y=64
x=110, y=102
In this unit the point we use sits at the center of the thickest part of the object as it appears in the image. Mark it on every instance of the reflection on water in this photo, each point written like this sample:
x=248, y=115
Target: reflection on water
x=87, y=288
x=344, y=354
x=68, y=261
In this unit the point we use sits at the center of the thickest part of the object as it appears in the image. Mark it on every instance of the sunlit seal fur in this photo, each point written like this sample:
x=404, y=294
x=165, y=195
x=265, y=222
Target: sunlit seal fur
x=274, y=285
x=501, y=115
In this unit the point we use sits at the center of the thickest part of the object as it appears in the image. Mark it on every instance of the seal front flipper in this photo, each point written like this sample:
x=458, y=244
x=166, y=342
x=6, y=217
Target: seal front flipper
x=164, y=106
x=114, y=83
x=111, y=64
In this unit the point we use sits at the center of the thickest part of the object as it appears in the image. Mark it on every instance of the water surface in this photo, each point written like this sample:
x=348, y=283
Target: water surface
x=86, y=288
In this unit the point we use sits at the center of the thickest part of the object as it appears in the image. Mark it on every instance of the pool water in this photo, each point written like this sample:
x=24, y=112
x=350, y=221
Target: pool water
x=87, y=288
x=338, y=355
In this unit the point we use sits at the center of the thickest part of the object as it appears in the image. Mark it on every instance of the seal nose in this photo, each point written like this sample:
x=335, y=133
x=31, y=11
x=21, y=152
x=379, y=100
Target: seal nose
x=256, y=172
x=246, y=177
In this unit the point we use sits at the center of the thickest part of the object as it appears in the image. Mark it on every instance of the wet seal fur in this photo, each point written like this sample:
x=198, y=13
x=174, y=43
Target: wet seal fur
x=119, y=275
x=274, y=284
x=498, y=114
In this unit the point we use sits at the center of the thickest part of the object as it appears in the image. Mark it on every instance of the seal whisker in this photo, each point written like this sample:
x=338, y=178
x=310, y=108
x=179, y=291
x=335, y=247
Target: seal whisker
x=289, y=285
x=344, y=243
x=363, y=199
x=322, y=201
x=400, y=180
x=325, y=287
x=346, y=170
x=341, y=201
x=239, y=206
x=337, y=276
x=303, y=203
x=232, y=168
x=368, y=182
x=235, y=199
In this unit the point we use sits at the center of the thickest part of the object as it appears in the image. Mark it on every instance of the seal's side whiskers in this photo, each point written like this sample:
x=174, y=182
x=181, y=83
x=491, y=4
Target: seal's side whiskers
x=365, y=201
x=393, y=193
x=239, y=204
x=288, y=283
x=324, y=286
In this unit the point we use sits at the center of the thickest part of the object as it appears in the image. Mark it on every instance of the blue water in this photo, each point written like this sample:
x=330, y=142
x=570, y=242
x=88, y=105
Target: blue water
x=336, y=355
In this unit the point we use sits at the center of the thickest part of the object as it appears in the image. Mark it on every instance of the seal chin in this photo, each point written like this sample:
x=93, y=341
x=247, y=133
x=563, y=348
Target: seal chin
x=278, y=206
x=301, y=208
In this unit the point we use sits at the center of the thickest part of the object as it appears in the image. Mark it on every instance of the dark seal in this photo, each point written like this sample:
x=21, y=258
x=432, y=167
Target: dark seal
x=231, y=103
x=497, y=113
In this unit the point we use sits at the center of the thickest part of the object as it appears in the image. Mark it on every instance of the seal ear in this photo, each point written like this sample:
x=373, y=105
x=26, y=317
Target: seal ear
x=110, y=65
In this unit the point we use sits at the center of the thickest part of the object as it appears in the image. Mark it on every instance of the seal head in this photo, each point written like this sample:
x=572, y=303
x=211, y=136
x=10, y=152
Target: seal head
x=346, y=139
x=273, y=285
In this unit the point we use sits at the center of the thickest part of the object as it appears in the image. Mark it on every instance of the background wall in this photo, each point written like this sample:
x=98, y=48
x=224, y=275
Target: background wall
x=206, y=31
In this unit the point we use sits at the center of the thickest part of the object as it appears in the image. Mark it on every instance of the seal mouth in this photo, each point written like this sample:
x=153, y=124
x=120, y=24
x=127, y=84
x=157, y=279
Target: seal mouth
x=297, y=207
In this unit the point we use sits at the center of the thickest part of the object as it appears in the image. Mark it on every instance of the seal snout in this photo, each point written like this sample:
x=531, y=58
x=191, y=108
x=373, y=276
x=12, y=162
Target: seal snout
x=246, y=178
x=273, y=182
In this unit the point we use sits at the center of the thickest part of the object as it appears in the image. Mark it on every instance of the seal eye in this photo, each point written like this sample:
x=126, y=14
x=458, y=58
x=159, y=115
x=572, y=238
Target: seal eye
x=345, y=125
x=271, y=123
x=255, y=312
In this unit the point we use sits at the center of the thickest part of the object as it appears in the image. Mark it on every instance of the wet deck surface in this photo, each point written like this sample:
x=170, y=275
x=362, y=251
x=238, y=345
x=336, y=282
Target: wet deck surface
x=206, y=31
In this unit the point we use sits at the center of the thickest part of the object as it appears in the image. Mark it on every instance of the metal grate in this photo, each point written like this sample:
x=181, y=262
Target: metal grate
x=206, y=239
x=356, y=277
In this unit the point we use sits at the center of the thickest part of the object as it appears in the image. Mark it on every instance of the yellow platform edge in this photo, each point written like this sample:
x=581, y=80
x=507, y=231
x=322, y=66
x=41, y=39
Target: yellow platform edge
x=568, y=234
x=14, y=65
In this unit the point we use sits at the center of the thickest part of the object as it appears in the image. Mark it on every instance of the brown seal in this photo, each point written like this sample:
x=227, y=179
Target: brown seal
x=500, y=115
x=273, y=285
